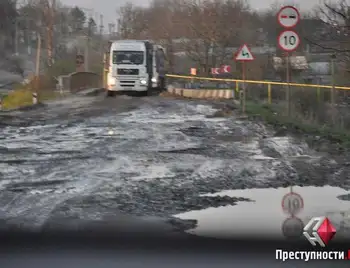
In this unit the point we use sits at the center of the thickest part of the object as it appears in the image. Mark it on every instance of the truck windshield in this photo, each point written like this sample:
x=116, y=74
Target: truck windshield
x=128, y=57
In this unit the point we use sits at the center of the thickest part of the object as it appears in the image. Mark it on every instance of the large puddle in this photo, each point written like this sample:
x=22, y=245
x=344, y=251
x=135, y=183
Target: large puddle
x=266, y=216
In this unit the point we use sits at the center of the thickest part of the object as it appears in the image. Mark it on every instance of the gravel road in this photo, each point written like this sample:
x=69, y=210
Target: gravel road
x=89, y=158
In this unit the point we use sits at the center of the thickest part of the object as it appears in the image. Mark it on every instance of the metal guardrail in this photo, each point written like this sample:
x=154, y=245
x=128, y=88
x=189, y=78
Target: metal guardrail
x=239, y=83
x=257, y=82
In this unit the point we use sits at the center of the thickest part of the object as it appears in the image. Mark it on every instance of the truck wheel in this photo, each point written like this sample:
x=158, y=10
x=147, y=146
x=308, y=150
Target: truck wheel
x=162, y=85
x=144, y=93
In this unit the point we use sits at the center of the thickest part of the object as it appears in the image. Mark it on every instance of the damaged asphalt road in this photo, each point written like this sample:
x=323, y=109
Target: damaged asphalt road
x=90, y=159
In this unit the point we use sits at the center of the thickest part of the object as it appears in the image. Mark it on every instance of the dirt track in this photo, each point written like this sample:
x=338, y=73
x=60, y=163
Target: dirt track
x=90, y=158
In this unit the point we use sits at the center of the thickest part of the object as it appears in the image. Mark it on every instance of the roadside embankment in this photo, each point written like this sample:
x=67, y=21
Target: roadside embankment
x=316, y=133
x=323, y=137
x=20, y=98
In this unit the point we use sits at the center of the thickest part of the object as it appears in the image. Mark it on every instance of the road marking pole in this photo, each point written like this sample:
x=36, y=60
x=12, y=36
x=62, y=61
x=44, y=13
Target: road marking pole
x=193, y=72
x=244, y=54
x=35, y=98
x=269, y=93
x=37, y=63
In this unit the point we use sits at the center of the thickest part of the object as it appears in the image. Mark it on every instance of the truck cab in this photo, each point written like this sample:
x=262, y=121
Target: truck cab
x=135, y=65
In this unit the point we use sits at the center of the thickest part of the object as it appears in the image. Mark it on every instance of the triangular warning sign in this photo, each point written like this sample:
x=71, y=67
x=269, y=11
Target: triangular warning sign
x=244, y=54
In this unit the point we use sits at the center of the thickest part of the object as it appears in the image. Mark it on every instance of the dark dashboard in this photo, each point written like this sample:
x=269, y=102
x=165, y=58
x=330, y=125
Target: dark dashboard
x=34, y=250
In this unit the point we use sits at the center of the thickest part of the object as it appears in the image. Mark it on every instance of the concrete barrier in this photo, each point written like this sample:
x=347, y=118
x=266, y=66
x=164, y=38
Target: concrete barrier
x=202, y=93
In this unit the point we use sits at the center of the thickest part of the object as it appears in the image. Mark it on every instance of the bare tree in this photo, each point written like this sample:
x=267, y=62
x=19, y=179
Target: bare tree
x=203, y=29
x=8, y=17
x=131, y=21
x=333, y=34
x=214, y=27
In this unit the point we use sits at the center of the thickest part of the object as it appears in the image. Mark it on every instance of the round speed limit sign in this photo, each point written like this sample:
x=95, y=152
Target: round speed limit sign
x=288, y=40
x=292, y=203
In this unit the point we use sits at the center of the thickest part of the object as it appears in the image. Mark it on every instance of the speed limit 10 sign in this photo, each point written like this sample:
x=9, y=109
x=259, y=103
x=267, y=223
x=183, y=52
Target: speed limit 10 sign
x=292, y=203
x=288, y=40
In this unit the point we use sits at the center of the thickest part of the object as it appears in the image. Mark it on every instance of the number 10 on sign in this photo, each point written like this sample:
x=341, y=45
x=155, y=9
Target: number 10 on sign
x=288, y=40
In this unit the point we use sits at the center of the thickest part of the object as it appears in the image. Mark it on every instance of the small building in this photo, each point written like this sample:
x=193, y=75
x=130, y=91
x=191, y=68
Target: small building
x=298, y=66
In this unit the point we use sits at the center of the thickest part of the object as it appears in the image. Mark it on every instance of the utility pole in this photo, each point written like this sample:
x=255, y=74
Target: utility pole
x=87, y=41
x=101, y=25
x=29, y=37
x=119, y=29
x=111, y=28
x=53, y=17
x=87, y=46
x=101, y=33
x=37, y=63
x=16, y=37
x=49, y=29
x=16, y=30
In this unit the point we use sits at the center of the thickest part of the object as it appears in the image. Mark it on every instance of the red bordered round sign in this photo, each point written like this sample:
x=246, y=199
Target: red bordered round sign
x=292, y=203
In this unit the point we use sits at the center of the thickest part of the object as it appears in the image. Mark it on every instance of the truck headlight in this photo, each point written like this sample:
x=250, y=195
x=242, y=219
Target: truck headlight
x=143, y=82
x=154, y=80
x=111, y=81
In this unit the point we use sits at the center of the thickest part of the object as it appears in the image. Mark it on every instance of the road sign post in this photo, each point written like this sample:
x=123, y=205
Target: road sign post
x=288, y=40
x=244, y=54
x=288, y=86
x=333, y=56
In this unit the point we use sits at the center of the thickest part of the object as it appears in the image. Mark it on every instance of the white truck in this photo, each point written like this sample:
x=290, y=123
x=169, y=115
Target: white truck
x=135, y=65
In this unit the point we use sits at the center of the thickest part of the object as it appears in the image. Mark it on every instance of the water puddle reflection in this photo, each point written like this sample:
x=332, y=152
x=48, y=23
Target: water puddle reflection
x=265, y=216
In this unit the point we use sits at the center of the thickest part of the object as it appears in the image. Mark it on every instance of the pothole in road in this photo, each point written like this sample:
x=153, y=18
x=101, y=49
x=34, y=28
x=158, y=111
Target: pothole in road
x=26, y=186
x=161, y=198
x=199, y=151
x=345, y=197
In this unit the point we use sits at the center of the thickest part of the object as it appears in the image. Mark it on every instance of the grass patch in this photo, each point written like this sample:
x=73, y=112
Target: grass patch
x=23, y=97
x=274, y=115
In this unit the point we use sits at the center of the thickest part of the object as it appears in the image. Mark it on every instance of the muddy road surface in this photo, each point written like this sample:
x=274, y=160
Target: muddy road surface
x=93, y=159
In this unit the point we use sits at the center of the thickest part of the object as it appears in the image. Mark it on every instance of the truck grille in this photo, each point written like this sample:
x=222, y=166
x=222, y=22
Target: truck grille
x=128, y=71
x=127, y=83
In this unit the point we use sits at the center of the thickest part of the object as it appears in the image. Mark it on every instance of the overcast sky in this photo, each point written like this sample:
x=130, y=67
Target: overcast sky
x=108, y=7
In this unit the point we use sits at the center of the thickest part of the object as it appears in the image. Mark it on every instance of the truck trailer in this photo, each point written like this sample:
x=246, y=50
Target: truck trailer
x=135, y=65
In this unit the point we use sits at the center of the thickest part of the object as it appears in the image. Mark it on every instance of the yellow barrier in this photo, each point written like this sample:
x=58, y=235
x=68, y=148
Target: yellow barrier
x=257, y=82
